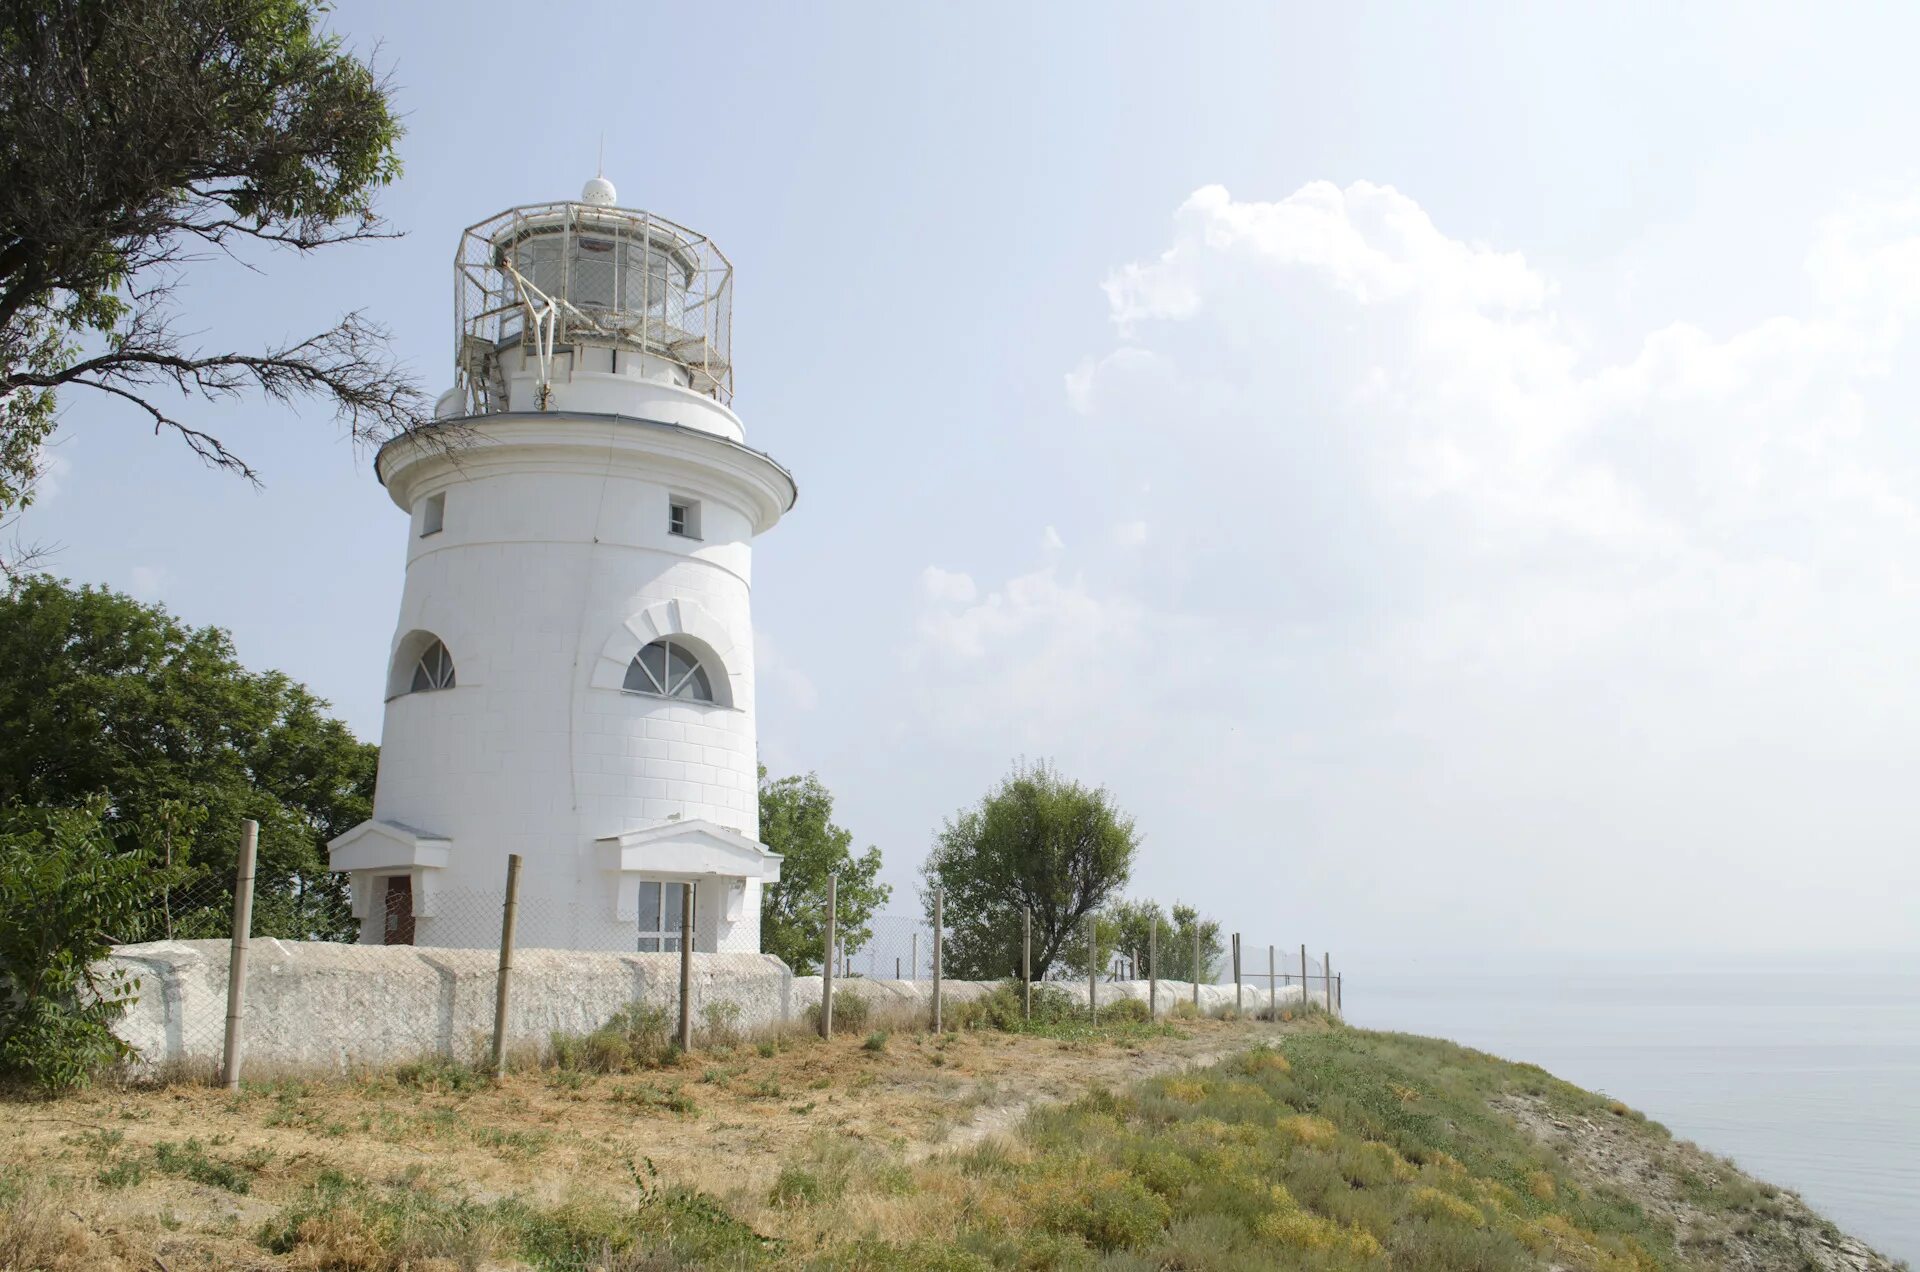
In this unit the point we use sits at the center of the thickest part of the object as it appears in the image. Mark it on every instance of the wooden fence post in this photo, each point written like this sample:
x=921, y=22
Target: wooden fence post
x=1303, y=980
x=1239, y=1003
x=1196, y=964
x=938, y=921
x=1273, y=995
x=1153, y=967
x=237, y=957
x=1093, y=971
x=686, y=965
x=826, y=974
x=1326, y=970
x=1026, y=962
x=916, y=955
x=509, y=917
x=1340, y=993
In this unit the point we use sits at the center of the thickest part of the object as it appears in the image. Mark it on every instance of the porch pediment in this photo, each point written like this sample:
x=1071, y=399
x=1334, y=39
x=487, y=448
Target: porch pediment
x=697, y=847
x=387, y=845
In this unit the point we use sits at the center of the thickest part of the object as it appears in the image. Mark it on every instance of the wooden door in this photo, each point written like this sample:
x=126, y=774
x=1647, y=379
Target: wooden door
x=399, y=913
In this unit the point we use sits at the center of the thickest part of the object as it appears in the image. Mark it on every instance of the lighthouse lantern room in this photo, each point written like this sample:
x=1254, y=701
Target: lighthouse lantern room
x=571, y=677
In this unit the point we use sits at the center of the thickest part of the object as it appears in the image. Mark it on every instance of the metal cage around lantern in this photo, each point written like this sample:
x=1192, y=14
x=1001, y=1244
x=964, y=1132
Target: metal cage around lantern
x=552, y=278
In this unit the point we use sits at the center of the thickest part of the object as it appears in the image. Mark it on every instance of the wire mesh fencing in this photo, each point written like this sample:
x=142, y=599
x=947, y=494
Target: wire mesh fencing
x=306, y=974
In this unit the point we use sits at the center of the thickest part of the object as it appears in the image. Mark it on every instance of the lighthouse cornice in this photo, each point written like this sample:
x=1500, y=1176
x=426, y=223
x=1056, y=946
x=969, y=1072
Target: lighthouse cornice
x=587, y=443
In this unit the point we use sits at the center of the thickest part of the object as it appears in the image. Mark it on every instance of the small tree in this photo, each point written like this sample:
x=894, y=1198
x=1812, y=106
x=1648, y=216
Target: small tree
x=1126, y=928
x=67, y=895
x=1038, y=841
x=796, y=821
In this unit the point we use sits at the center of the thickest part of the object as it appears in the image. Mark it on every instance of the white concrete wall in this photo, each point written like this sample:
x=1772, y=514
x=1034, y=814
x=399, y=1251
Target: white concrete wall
x=329, y=1008
x=316, y=1006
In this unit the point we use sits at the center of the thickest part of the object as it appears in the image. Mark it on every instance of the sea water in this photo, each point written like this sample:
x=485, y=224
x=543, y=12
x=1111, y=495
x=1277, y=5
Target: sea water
x=1806, y=1072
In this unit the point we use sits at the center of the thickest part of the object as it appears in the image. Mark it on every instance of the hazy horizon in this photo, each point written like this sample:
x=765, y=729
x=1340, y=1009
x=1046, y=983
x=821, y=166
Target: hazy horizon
x=1451, y=477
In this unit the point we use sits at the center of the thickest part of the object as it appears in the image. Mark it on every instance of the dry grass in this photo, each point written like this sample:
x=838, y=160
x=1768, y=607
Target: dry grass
x=196, y=1175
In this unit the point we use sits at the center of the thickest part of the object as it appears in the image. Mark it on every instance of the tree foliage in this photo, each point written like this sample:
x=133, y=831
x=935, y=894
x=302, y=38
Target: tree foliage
x=67, y=895
x=796, y=821
x=1132, y=925
x=106, y=698
x=138, y=134
x=1037, y=841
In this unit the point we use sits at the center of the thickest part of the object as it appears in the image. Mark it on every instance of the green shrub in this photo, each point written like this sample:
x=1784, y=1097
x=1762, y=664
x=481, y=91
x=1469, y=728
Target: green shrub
x=851, y=1012
x=439, y=1073
x=1127, y=1011
x=639, y=1036
x=1108, y=1209
x=66, y=894
x=720, y=1024
x=876, y=1042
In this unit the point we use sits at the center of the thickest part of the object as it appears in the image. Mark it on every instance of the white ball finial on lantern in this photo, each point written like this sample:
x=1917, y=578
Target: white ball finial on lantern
x=598, y=192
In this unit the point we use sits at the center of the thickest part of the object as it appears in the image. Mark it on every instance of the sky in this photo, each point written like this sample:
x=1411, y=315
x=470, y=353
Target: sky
x=1452, y=477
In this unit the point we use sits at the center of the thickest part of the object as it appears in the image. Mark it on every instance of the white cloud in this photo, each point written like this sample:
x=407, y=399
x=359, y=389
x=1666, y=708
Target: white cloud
x=149, y=582
x=1456, y=589
x=946, y=586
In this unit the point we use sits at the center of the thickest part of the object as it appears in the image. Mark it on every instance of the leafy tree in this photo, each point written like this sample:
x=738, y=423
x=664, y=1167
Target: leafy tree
x=1132, y=923
x=138, y=134
x=1038, y=841
x=107, y=698
x=796, y=821
x=67, y=895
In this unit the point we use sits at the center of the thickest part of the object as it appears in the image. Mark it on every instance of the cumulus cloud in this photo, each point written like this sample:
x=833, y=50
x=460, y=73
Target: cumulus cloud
x=1447, y=580
x=946, y=586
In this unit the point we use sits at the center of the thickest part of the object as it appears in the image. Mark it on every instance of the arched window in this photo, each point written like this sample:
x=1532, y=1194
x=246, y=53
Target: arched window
x=434, y=670
x=669, y=668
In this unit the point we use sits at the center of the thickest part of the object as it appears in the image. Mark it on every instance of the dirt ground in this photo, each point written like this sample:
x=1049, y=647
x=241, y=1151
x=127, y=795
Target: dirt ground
x=724, y=1124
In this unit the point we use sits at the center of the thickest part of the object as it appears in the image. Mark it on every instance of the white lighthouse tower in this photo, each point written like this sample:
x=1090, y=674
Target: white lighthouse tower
x=571, y=677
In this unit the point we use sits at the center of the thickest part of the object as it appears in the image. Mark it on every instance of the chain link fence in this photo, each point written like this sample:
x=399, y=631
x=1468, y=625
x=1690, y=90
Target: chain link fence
x=306, y=975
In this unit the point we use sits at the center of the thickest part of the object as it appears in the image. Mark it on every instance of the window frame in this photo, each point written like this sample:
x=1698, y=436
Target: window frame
x=689, y=519
x=666, y=934
x=666, y=685
x=433, y=515
x=439, y=678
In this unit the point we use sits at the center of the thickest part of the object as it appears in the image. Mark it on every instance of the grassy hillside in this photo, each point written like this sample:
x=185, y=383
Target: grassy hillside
x=1201, y=1145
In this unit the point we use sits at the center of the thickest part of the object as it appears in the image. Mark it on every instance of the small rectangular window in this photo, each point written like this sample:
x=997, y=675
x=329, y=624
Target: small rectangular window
x=434, y=515
x=683, y=517
x=660, y=916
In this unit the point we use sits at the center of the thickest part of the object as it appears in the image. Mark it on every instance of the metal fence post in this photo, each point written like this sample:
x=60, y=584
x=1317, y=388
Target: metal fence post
x=1340, y=994
x=938, y=949
x=509, y=916
x=237, y=957
x=1153, y=967
x=686, y=966
x=1239, y=1001
x=1026, y=962
x=1303, y=980
x=1326, y=970
x=826, y=966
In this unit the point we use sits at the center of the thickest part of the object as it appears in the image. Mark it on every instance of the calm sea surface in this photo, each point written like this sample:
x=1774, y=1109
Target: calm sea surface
x=1807, y=1076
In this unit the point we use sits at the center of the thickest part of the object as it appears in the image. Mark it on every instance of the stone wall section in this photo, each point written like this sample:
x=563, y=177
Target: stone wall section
x=319, y=1007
